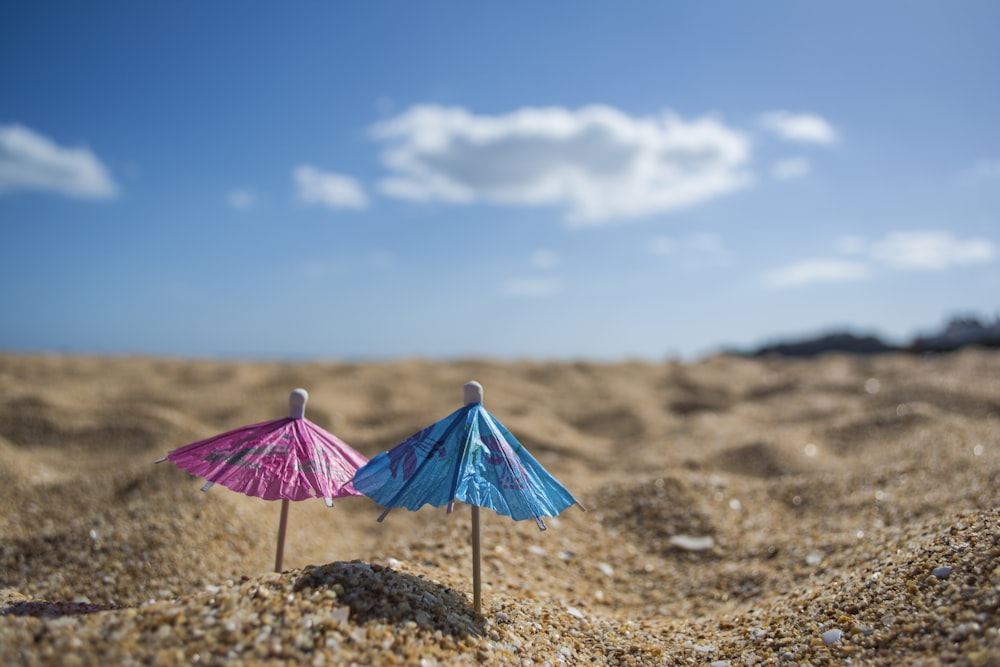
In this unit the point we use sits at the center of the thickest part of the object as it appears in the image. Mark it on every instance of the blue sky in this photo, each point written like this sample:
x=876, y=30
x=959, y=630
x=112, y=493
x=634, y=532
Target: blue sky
x=565, y=179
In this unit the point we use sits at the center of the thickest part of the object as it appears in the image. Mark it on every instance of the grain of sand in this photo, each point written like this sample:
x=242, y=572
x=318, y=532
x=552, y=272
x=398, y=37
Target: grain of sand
x=842, y=510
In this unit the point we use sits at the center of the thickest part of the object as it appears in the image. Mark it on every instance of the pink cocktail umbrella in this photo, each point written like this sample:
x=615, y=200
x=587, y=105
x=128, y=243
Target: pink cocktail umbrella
x=286, y=459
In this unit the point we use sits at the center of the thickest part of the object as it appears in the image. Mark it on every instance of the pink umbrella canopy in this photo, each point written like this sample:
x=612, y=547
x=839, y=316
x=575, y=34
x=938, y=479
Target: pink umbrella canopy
x=285, y=459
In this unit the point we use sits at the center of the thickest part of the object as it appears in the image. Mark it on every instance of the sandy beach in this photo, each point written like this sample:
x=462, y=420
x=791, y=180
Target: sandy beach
x=837, y=510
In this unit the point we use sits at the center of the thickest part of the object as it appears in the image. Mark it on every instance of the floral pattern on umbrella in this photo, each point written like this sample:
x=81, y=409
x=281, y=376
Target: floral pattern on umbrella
x=467, y=456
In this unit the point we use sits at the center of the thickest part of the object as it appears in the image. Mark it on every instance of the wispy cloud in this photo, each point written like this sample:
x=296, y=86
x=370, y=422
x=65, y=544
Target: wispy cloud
x=703, y=250
x=382, y=258
x=318, y=269
x=530, y=287
x=336, y=191
x=930, y=250
x=811, y=271
x=983, y=172
x=926, y=250
x=31, y=161
x=544, y=259
x=542, y=284
x=802, y=127
x=599, y=164
x=663, y=245
x=789, y=168
x=241, y=199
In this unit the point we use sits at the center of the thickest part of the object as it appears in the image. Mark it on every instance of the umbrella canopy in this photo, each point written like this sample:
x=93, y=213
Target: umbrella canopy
x=285, y=459
x=468, y=456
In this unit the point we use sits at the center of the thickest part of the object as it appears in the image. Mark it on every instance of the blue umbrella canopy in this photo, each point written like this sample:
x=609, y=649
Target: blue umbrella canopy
x=467, y=456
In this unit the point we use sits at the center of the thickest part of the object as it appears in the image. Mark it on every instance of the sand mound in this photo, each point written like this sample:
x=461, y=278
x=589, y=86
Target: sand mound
x=123, y=545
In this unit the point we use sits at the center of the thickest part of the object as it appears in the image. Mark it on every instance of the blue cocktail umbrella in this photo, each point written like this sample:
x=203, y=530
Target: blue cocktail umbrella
x=468, y=456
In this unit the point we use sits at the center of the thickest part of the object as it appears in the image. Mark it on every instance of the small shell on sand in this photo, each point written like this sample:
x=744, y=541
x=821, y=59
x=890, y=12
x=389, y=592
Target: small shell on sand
x=692, y=543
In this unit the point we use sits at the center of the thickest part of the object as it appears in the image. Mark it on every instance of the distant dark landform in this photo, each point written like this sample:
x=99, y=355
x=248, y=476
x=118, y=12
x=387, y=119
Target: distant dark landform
x=959, y=332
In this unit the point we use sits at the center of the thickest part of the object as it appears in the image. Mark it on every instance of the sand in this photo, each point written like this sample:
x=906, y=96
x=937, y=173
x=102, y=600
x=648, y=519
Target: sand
x=841, y=510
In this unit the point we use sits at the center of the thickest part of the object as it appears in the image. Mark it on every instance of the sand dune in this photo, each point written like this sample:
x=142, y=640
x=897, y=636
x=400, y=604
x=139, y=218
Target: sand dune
x=741, y=511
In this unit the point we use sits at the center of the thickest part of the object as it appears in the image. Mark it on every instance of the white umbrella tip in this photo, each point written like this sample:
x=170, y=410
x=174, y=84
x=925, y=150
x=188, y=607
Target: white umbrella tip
x=297, y=403
x=473, y=392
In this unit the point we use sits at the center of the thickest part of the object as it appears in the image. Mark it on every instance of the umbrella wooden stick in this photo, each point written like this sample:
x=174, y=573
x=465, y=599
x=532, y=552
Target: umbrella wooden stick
x=473, y=393
x=477, y=580
x=296, y=410
x=282, y=523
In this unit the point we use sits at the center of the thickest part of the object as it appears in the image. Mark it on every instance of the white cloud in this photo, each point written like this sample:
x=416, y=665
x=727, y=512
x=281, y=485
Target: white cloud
x=983, y=172
x=696, y=251
x=810, y=271
x=328, y=189
x=530, y=287
x=803, y=127
x=852, y=245
x=706, y=242
x=241, y=200
x=544, y=259
x=793, y=167
x=597, y=162
x=31, y=161
x=663, y=245
x=930, y=250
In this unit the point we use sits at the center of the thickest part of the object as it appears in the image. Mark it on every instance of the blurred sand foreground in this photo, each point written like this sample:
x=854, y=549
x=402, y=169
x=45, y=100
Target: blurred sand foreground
x=740, y=512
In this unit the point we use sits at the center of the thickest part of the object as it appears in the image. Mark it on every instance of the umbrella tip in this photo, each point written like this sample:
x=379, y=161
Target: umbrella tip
x=473, y=392
x=297, y=403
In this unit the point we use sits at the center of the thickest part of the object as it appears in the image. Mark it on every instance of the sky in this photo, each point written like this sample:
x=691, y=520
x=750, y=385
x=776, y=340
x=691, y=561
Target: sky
x=515, y=180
